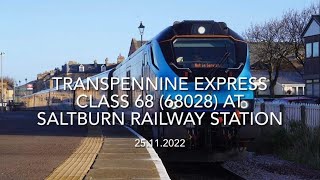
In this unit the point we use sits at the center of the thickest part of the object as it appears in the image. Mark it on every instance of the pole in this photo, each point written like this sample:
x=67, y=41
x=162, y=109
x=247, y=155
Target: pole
x=14, y=92
x=1, y=54
x=141, y=41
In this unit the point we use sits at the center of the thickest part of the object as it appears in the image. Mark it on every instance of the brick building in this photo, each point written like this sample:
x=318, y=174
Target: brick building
x=134, y=45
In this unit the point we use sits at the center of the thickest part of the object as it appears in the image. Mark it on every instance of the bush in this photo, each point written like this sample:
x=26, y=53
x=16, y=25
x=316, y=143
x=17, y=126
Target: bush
x=298, y=143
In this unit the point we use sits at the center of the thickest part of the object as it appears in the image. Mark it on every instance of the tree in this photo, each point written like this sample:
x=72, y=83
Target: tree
x=295, y=23
x=271, y=47
x=9, y=80
x=277, y=40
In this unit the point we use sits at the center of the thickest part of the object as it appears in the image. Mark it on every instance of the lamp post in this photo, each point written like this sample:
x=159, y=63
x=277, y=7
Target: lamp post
x=141, y=29
x=15, y=93
x=1, y=54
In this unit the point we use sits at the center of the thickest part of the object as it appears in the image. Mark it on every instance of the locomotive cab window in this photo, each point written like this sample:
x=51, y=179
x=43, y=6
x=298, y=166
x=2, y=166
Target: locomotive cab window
x=204, y=53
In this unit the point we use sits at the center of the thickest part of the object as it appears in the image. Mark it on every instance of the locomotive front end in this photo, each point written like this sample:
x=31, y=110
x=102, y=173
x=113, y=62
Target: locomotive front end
x=214, y=61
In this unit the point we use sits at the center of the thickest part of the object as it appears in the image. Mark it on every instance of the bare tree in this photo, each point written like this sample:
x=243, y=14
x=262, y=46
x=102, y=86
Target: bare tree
x=277, y=40
x=295, y=22
x=271, y=49
x=9, y=80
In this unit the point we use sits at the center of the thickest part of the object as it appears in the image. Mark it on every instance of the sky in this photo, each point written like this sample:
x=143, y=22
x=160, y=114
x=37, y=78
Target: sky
x=39, y=35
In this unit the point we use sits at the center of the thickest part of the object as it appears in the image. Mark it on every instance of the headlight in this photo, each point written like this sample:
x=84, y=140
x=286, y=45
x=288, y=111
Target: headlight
x=201, y=30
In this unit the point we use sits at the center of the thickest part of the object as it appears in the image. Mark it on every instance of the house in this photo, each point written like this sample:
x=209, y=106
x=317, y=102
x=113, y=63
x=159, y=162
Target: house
x=76, y=68
x=23, y=90
x=71, y=69
x=311, y=36
x=134, y=45
x=7, y=93
x=288, y=83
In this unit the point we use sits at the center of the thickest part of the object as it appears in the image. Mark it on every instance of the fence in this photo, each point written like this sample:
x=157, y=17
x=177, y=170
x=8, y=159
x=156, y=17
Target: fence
x=307, y=113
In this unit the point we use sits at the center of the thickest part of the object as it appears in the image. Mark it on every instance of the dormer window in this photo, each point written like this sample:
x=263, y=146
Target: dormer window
x=103, y=68
x=81, y=68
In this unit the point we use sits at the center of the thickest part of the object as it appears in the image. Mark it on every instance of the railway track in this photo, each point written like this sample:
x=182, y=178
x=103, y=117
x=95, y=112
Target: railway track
x=198, y=171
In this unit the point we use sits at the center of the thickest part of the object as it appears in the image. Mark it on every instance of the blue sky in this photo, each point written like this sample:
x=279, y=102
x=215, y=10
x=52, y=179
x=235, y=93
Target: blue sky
x=41, y=35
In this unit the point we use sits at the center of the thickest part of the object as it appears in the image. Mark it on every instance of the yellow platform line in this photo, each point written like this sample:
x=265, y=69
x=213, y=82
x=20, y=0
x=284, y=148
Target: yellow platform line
x=80, y=161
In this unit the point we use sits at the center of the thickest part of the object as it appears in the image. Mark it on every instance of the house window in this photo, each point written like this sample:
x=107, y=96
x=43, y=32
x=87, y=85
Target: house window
x=103, y=68
x=81, y=68
x=315, y=49
x=316, y=88
x=309, y=88
x=308, y=50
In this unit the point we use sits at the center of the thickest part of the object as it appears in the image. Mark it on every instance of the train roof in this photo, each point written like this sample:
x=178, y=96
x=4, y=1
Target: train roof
x=197, y=27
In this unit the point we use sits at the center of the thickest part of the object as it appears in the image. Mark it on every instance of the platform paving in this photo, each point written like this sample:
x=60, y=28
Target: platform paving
x=28, y=151
x=120, y=159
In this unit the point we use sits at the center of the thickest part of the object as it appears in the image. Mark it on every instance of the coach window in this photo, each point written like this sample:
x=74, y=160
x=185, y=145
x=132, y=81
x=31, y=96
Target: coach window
x=129, y=92
x=145, y=59
x=154, y=62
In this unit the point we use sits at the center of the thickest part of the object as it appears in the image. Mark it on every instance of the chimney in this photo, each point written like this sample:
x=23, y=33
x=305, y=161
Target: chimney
x=95, y=63
x=66, y=68
x=106, y=61
x=120, y=58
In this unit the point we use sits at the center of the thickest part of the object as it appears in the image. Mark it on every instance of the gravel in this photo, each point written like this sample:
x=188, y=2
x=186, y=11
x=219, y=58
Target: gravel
x=269, y=167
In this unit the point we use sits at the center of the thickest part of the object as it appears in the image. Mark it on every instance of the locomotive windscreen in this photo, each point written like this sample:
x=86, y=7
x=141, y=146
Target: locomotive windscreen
x=203, y=49
x=204, y=53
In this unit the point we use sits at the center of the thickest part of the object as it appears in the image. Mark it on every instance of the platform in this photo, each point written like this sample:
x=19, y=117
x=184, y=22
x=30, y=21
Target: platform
x=65, y=152
x=119, y=158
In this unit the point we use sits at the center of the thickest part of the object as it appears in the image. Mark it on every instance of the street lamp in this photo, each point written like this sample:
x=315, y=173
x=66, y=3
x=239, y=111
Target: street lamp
x=141, y=29
x=1, y=54
x=16, y=92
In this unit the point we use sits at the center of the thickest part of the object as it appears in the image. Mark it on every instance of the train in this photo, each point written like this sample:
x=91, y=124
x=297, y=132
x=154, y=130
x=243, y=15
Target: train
x=189, y=49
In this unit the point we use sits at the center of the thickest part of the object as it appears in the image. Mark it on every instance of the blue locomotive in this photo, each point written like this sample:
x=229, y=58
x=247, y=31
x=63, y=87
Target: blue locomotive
x=189, y=49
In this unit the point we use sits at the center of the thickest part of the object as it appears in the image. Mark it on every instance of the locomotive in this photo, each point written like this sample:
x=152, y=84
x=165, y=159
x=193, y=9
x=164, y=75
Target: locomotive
x=188, y=49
